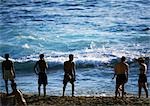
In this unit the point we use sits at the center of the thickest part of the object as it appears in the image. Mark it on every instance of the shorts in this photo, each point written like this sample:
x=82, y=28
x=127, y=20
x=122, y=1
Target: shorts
x=142, y=78
x=42, y=79
x=68, y=78
x=121, y=79
x=8, y=75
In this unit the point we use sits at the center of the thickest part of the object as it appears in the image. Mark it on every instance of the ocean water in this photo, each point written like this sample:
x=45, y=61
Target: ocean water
x=97, y=32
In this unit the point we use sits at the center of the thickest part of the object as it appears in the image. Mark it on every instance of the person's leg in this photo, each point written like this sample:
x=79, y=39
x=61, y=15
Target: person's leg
x=119, y=90
x=39, y=88
x=72, y=89
x=122, y=90
x=44, y=89
x=64, y=87
x=116, y=91
x=6, y=86
x=140, y=90
x=12, y=81
x=145, y=88
x=39, y=83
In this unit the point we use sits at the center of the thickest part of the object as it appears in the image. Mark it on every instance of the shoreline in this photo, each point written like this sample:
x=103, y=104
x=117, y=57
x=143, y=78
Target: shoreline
x=35, y=100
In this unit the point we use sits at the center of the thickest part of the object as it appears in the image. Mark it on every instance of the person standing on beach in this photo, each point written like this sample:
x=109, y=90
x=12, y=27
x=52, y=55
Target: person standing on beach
x=69, y=73
x=121, y=70
x=40, y=69
x=8, y=71
x=142, y=82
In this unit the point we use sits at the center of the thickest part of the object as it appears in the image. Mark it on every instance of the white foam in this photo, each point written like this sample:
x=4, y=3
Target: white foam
x=26, y=46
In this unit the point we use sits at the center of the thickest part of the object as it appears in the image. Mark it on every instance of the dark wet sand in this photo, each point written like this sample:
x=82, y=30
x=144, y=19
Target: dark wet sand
x=35, y=100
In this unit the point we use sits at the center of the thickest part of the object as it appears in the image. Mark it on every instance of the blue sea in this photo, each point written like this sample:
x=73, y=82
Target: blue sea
x=97, y=32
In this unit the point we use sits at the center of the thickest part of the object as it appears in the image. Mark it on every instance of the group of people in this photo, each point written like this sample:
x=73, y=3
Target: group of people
x=120, y=69
x=69, y=73
x=40, y=69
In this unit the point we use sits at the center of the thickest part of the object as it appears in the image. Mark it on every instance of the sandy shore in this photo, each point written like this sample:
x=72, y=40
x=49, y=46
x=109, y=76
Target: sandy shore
x=35, y=100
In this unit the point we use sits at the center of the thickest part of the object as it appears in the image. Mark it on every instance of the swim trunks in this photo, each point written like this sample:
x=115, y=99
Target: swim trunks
x=121, y=79
x=142, y=78
x=42, y=78
x=68, y=78
x=8, y=75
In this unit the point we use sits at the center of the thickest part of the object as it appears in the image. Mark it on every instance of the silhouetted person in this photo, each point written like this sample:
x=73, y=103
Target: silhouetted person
x=69, y=73
x=121, y=70
x=20, y=101
x=8, y=71
x=40, y=69
x=142, y=82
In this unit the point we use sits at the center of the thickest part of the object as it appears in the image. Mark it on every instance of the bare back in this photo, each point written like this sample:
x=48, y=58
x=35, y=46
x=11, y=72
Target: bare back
x=42, y=65
x=7, y=65
x=121, y=68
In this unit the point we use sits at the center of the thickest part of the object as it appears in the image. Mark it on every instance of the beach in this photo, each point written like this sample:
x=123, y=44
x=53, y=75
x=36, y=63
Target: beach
x=97, y=32
x=35, y=100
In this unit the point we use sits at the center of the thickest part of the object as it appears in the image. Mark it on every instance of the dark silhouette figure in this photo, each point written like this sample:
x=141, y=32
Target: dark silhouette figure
x=142, y=82
x=40, y=69
x=69, y=73
x=8, y=71
x=121, y=70
x=20, y=101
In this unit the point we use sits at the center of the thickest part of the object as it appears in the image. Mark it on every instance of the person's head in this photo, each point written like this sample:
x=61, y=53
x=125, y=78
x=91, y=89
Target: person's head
x=14, y=86
x=6, y=56
x=141, y=60
x=123, y=59
x=71, y=57
x=41, y=56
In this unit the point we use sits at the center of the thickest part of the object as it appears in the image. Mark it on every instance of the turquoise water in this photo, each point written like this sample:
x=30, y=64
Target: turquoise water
x=97, y=32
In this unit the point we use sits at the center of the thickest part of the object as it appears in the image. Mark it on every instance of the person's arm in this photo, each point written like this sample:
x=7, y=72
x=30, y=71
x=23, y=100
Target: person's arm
x=144, y=68
x=74, y=72
x=65, y=67
x=13, y=69
x=3, y=69
x=35, y=68
x=114, y=76
x=114, y=72
x=46, y=65
x=127, y=69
